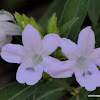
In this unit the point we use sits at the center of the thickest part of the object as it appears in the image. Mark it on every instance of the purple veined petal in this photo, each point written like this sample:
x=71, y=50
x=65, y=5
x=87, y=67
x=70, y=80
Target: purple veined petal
x=31, y=39
x=95, y=56
x=60, y=69
x=49, y=44
x=79, y=78
x=30, y=77
x=91, y=79
x=13, y=53
x=86, y=41
x=47, y=61
x=69, y=48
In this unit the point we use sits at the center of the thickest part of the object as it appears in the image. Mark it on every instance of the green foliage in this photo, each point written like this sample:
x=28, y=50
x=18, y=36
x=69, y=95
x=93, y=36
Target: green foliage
x=42, y=91
x=97, y=35
x=57, y=7
x=67, y=25
x=94, y=11
x=16, y=91
x=45, y=76
x=59, y=54
x=73, y=9
x=94, y=15
x=50, y=91
x=52, y=24
x=23, y=20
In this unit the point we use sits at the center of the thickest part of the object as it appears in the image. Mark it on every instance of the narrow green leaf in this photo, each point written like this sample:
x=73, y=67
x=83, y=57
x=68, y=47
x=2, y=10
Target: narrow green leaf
x=73, y=9
x=97, y=35
x=19, y=19
x=23, y=20
x=49, y=91
x=67, y=25
x=34, y=24
x=41, y=91
x=16, y=91
x=52, y=24
x=56, y=7
x=94, y=11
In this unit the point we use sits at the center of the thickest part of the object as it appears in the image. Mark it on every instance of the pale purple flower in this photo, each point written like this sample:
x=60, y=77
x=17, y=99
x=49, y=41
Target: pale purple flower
x=82, y=60
x=7, y=29
x=33, y=56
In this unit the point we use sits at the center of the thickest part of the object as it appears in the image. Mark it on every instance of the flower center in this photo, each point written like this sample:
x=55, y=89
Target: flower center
x=81, y=65
x=80, y=62
x=35, y=61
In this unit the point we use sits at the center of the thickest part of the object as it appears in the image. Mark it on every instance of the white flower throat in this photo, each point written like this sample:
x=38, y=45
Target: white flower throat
x=80, y=63
x=36, y=60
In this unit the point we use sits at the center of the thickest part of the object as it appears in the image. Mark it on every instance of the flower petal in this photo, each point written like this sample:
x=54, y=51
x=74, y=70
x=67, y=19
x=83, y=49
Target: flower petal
x=86, y=41
x=13, y=53
x=95, y=56
x=60, y=69
x=7, y=28
x=4, y=41
x=31, y=39
x=49, y=44
x=28, y=76
x=6, y=16
x=89, y=81
x=69, y=48
x=79, y=78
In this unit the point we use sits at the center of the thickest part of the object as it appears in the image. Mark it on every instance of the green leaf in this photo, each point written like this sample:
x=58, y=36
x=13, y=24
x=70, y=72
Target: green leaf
x=56, y=7
x=61, y=55
x=94, y=11
x=67, y=25
x=41, y=91
x=19, y=19
x=34, y=24
x=52, y=24
x=73, y=9
x=97, y=35
x=49, y=91
x=16, y=91
x=23, y=20
x=45, y=76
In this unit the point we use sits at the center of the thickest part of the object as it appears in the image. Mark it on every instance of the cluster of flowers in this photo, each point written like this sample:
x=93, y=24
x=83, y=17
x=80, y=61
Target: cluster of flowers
x=34, y=57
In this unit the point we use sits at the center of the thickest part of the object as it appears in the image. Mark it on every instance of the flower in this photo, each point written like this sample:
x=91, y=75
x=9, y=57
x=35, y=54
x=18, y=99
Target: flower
x=33, y=56
x=7, y=29
x=6, y=16
x=82, y=60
